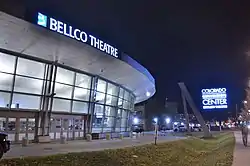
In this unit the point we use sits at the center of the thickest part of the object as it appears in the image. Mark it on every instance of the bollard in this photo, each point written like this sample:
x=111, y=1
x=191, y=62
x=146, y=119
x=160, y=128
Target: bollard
x=121, y=136
x=108, y=137
x=89, y=137
x=62, y=139
x=25, y=141
x=131, y=134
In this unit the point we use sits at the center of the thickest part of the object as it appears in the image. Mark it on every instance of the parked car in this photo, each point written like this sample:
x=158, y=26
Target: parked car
x=181, y=128
x=196, y=129
x=4, y=144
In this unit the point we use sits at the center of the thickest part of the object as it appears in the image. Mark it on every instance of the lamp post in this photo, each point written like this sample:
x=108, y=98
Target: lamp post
x=156, y=129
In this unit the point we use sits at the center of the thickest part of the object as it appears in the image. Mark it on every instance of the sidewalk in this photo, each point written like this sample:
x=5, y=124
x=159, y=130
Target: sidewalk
x=82, y=146
x=241, y=153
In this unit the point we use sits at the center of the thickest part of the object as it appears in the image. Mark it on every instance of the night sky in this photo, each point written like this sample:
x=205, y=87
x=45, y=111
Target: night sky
x=203, y=44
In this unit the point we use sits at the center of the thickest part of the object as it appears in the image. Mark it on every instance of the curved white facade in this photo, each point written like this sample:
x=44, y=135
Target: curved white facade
x=52, y=85
x=23, y=37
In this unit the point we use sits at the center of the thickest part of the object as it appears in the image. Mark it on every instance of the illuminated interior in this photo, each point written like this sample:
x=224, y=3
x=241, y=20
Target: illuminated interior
x=112, y=103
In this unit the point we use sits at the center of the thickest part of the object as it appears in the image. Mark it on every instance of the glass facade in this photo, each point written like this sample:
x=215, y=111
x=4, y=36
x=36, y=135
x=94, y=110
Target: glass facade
x=25, y=83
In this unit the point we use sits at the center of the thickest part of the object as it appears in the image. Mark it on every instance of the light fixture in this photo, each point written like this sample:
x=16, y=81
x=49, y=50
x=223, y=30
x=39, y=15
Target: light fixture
x=147, y=94
x=167, y=120
x=136, y=120
x=155, y=120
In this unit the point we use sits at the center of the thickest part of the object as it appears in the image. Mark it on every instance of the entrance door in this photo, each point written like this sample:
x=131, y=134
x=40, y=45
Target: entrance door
x=72, y=127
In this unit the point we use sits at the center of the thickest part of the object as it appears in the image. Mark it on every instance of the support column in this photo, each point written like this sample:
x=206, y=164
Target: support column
x=91, y=104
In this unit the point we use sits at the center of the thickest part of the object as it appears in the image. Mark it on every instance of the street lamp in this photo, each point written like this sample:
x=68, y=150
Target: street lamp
x=167, y=120
x=136, y=120
x=156, y=120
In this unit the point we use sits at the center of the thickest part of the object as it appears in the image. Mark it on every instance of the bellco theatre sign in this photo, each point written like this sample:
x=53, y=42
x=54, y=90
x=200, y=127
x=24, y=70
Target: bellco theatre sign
x=74, y=33
x=214, y=98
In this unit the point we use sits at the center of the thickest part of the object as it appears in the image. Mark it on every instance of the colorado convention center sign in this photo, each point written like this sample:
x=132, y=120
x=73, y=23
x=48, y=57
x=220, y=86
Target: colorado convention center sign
x=214, y=98
x=74, y=33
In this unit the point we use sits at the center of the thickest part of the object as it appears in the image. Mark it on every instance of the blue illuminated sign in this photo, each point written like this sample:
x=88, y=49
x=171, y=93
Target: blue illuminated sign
x=74, y=33
x=42, y=20
x=214, y=98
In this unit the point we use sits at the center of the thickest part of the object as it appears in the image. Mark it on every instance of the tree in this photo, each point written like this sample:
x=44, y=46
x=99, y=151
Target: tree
x=245, y=113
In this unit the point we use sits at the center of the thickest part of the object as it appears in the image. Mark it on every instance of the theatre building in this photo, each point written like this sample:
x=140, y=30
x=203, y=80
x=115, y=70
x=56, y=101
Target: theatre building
x=56, y=79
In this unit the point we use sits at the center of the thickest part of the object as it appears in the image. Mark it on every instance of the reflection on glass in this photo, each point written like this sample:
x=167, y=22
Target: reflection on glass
x=101, y=86
x=22, y=125
x=31, y=124
x=80, y=107
x=83, y=80
x=62, y=90
x=108, y=122
x=112, y=89
x=81, y=94
x=25, y=101
x=126, y=104
x=7, y=63
x=28, y=85
x=2, y=124
x=5, y=81
x=61, y=105
x=119, y=113
x=111, y=100
x=118, y=123
x=124, y=114
x=98, y=112
x=4, y=99
x=64, y=76
x=100, y=97
x=124, y=122
x=30, y=68
x=126, y=95
x=121, y=93
x=110, y=111
x=120, y=101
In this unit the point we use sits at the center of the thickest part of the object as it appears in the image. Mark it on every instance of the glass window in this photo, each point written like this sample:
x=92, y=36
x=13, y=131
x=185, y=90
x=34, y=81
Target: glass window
x=7, y=63
x=61, y=105
x=124, y=114
x=4, y=99
x=119, y=113
x=97, y=118
x=109, y=122
x=121, y=93
x=100, y=97
x=101, y=86
x=25, y=101
x=5, y=81
x=124, y=122
x=28, y=85
x=80, y=107
x=126, y=104
x=62, y=90
x=98, y=111
x=83, y=80
x=126, y=95
x=81, y=94
x=120, y=103
x=107, y=129
x=112, y=89
x=30, y=68
x=123, y=129
x=111, y=100
x=64, y=76
x=110, y=111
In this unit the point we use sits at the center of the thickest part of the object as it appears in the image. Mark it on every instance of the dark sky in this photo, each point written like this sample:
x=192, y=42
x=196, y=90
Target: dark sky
x=199, y=42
